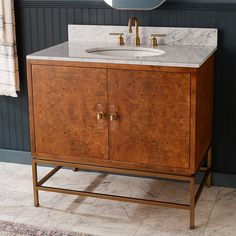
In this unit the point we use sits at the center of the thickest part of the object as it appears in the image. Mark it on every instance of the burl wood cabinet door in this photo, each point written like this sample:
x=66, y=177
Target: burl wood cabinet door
x=153, y=123
x=66, y=101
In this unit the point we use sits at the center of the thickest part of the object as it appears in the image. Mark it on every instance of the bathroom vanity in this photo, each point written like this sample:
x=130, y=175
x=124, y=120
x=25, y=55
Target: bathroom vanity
x=148, y=114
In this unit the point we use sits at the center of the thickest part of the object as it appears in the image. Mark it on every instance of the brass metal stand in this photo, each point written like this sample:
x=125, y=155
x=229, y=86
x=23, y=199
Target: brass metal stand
x=194, y=195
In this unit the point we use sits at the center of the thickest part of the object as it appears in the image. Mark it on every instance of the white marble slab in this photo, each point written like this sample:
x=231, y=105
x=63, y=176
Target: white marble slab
x=174, y=36
x=183, y=47
x=175, y=56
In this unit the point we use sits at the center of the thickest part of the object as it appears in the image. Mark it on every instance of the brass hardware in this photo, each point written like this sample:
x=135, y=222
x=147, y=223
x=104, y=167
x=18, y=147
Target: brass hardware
x=192, y=202
x=130, y=24
x=114, y=116
x=154, y=42
x=35, y=183
x=114, y=197
x=100, y=115
x=38, y=185
x=120, y=38
x=209, y=164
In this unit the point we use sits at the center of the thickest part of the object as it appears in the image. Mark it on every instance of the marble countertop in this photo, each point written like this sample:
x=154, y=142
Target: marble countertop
x=183, y=47
x=192, y=56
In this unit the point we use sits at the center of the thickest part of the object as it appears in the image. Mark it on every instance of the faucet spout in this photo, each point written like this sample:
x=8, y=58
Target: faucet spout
x=130, y=24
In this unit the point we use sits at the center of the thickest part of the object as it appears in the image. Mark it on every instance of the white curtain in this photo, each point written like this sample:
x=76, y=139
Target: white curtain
x=9, y=74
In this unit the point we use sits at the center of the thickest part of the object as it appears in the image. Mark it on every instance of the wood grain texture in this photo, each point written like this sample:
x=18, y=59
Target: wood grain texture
x=154, y=122
x=31, y=107
x=65, y=106
x=114, y=164
x=158, y=130
x=204, y=109
x=193, y=122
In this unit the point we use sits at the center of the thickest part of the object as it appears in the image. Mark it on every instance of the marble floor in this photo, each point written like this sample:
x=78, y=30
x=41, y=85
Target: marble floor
x=215, y=212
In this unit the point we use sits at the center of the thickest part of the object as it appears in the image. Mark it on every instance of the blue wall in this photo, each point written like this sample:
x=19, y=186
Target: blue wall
x=41, y=24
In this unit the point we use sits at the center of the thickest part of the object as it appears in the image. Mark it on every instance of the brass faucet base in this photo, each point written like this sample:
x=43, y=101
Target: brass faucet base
x=137, y=42
x=154, y=41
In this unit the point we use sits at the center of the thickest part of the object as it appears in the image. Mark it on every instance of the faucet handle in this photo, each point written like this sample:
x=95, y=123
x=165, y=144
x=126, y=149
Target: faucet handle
x=158, y=35
x=154, y=42
x=120, y=38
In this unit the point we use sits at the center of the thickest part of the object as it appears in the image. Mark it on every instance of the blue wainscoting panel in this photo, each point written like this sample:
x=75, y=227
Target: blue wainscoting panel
x=41, y=24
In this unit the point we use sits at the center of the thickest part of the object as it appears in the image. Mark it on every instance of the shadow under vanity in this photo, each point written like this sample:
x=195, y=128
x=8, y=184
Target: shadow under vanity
x=107, y=101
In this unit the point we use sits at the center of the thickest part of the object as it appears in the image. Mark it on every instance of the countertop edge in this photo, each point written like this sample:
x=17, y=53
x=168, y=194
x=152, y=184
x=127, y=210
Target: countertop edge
x=117, y=61
x=166, y=64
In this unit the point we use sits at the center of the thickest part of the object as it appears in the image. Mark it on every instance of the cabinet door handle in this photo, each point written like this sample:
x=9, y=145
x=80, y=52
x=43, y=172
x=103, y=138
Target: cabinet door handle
x=114, y=116
x=100, y=115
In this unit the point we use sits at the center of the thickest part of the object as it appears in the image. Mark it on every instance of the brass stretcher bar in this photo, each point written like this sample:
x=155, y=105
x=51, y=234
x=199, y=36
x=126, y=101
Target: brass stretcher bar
x=194, y=196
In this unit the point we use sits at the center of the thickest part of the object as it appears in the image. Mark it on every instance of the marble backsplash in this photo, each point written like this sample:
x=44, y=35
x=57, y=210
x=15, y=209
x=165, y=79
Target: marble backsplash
x=174, y=36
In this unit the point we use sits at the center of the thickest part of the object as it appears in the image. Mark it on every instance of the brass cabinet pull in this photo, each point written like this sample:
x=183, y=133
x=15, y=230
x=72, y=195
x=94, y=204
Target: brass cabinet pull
x=114, y=116
x=100, y=115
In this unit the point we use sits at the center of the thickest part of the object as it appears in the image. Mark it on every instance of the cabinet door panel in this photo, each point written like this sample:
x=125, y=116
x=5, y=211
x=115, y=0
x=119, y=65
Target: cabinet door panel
x=154, y=117
x=65, y=107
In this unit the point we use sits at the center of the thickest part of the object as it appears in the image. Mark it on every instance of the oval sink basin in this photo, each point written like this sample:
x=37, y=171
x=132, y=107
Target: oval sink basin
x=126, y=52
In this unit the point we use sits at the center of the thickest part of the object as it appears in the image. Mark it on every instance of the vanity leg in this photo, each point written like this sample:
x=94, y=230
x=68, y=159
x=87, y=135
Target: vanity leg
x=75, y=169
x=209, y=163
x=192, y=202
x=35, y=179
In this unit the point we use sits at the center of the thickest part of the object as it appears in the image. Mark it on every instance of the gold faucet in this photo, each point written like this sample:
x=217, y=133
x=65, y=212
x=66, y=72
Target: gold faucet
x=130, y=24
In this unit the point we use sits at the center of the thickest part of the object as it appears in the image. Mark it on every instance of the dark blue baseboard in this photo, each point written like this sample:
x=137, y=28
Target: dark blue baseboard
x=218, y=179
x=18, y=157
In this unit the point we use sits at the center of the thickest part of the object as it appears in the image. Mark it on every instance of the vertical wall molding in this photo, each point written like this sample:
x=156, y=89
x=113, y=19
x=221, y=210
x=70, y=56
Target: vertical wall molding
x=41, y=24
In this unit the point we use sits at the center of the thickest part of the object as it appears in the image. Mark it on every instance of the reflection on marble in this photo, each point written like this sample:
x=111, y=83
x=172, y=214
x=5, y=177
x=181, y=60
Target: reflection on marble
x=172, y=190
x=83, y=180
x=108, y=218
x=136, y=187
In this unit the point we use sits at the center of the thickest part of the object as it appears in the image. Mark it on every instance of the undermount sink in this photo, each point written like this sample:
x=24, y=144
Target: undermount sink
x=126, y=52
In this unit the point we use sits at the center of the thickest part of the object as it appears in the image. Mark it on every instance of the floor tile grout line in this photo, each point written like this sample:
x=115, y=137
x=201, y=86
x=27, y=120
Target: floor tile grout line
x=141, y=223
x=211, y=211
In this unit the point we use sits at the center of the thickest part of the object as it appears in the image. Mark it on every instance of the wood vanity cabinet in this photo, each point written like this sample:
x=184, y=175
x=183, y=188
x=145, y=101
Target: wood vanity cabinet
x=142, y=118
x=64, y=111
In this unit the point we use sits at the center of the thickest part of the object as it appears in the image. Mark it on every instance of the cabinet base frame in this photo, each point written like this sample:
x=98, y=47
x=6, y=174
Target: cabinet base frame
x=194, y=195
